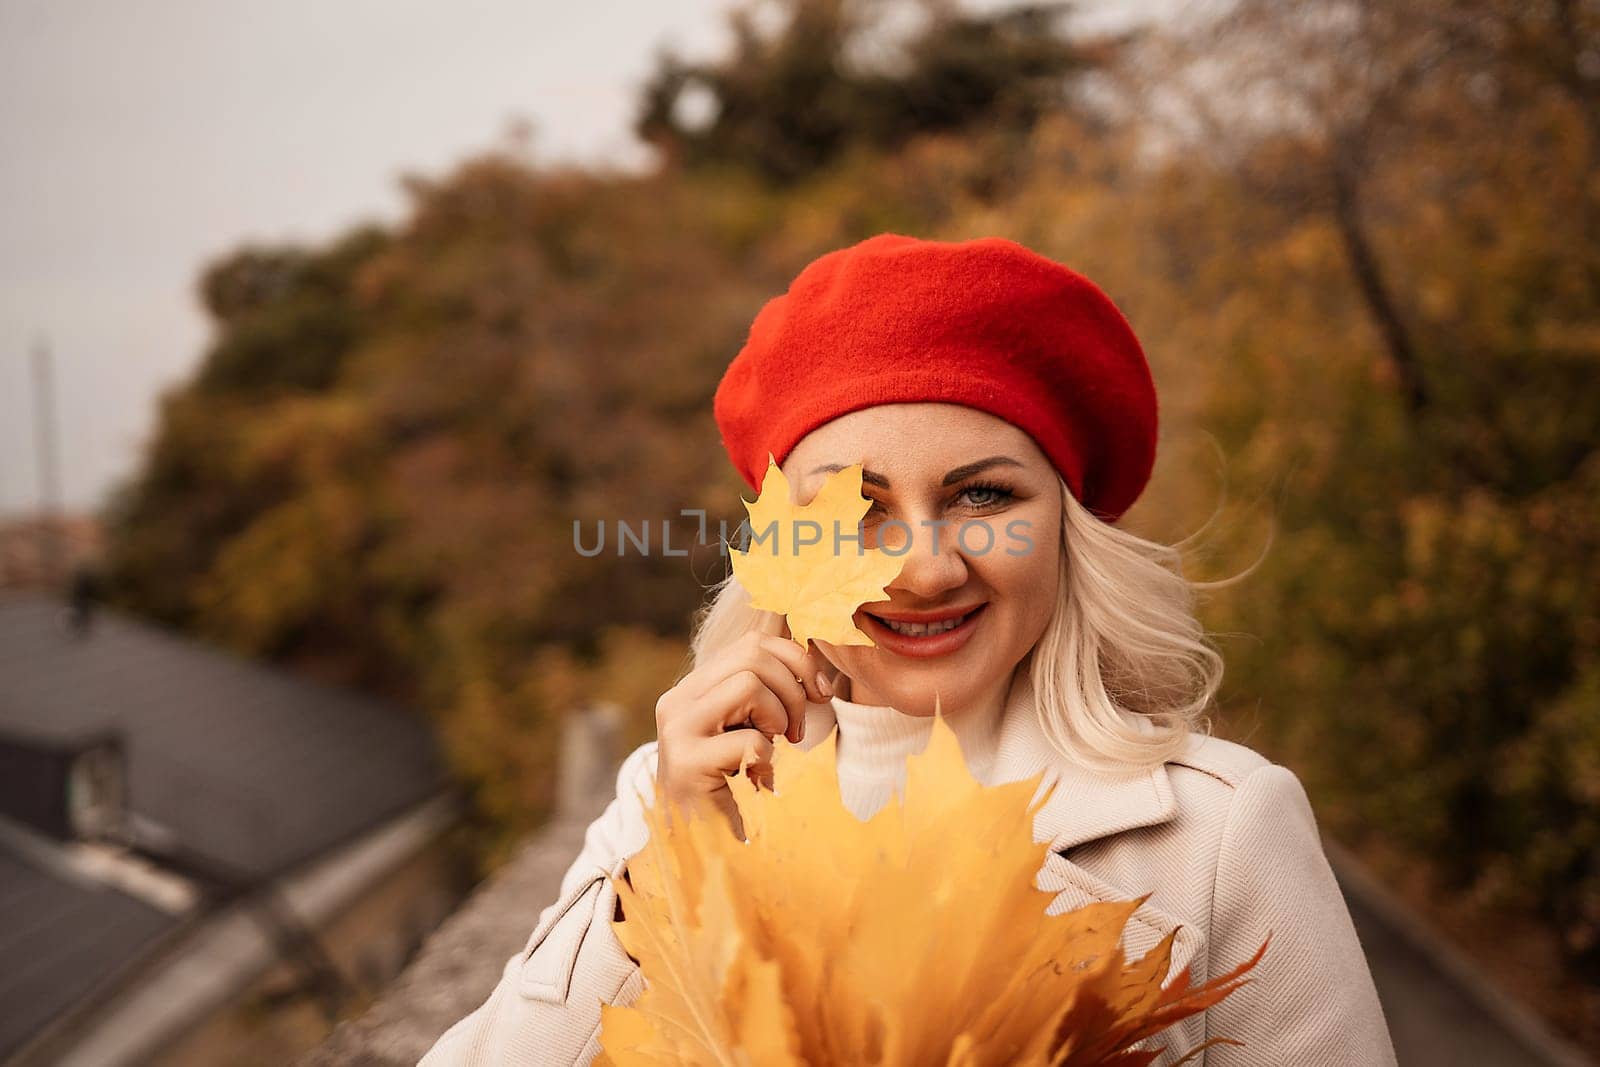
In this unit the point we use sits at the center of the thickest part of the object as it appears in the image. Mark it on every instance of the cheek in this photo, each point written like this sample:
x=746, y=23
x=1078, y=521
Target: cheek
x=1028, y=581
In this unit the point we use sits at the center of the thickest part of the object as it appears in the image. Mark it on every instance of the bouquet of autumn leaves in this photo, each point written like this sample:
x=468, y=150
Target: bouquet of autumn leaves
x=915, y=937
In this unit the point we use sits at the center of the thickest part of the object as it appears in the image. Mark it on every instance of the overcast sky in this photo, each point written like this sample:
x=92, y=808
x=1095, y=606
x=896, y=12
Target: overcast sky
x=140, y=140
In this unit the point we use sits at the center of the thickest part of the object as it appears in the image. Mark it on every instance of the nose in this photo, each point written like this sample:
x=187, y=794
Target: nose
x=927, y=574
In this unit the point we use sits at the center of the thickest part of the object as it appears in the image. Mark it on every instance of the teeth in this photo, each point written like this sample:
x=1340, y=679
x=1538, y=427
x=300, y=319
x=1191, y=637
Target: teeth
x=922, y=629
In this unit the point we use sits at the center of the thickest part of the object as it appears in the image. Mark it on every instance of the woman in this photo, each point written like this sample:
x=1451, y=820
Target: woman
x=1005, y=418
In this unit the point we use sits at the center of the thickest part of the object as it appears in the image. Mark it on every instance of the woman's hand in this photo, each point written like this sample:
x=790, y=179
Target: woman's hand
x=726, y=712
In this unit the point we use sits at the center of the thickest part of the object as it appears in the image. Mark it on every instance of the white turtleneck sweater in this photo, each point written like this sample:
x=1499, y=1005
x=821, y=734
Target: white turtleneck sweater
x=875, y=741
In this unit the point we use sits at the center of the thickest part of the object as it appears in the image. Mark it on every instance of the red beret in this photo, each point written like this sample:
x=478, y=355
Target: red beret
x=986, y=323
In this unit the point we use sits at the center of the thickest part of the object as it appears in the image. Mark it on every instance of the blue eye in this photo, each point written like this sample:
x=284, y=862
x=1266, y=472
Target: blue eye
x=991, y=495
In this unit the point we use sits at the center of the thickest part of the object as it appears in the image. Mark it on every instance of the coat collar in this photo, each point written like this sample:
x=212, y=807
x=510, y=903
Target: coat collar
x=1084, y=804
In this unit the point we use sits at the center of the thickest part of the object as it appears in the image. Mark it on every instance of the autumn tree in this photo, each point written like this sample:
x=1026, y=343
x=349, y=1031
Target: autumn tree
x=1358, y=242
x=1428, y=166
x=837, y=74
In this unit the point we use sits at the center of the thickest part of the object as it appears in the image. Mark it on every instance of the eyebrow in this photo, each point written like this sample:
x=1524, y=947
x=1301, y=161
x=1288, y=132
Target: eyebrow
x=966, y=470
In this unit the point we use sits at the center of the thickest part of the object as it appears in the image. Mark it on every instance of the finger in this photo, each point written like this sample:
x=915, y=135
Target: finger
x=769, y=661
x=737, y=655
x=710, y=672
x=730, y=753
x=818, y=665
x=763, y=653
x=743, y=697
x=805, y=665
x=756, y=763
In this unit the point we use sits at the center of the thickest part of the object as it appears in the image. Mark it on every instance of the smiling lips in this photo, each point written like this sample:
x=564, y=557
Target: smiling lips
x=924, y=634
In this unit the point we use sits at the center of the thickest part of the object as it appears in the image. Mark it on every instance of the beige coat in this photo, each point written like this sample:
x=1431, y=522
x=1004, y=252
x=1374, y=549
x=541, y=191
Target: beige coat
x=1223, y=840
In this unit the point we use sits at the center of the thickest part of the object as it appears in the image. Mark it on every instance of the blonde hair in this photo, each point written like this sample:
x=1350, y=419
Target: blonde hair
x=1124, y=671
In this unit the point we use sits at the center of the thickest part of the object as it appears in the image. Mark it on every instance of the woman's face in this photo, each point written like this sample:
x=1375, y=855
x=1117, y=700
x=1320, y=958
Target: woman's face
x=991, y=498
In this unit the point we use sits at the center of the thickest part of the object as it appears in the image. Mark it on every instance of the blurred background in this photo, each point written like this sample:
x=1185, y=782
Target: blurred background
x=321, y=326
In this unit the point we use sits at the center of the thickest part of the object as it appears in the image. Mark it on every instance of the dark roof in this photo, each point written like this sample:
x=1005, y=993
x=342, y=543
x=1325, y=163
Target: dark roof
x=251, y=767
x=60, y=937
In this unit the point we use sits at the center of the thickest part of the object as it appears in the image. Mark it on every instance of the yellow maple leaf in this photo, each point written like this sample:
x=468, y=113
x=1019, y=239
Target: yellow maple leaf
x=800, y=565
x=918, y=936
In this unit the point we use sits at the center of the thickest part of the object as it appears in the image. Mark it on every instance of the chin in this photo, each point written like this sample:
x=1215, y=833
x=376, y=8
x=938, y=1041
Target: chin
x=910, y=685
x=916, y=696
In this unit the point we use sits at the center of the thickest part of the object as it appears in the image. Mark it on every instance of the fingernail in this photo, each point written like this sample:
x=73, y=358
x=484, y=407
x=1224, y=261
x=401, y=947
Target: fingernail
x=802, y=735
x=824, y=686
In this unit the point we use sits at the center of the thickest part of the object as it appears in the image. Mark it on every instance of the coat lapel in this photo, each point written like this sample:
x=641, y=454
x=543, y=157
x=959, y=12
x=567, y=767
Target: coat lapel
x=1083, y=804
